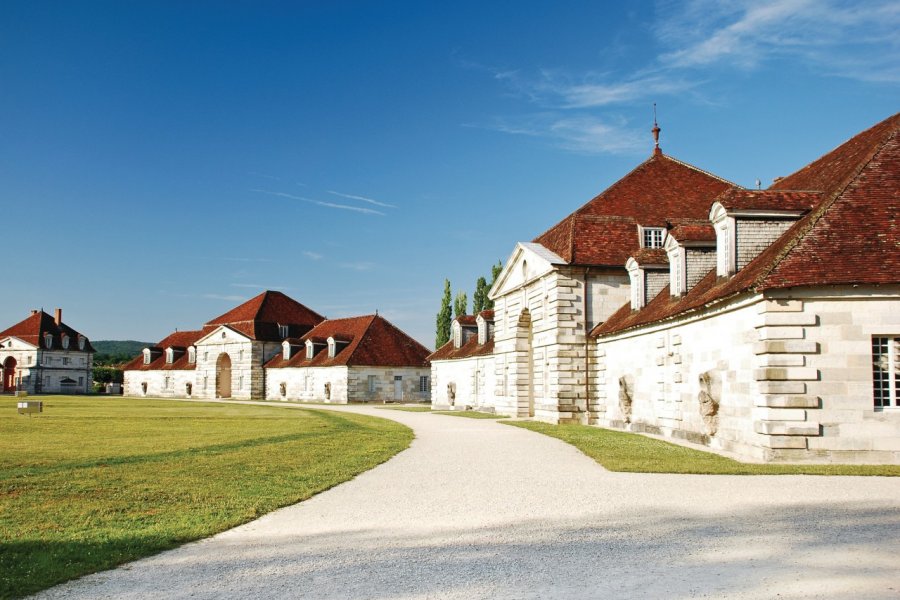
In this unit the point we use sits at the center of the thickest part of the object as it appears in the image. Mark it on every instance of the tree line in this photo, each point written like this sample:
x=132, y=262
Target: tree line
x=453, y=307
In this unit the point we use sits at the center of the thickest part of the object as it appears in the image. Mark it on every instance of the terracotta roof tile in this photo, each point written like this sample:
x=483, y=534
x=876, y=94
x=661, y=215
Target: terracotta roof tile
x=466, y=320
x=487, y=315
x=374, y=342
x=469, y=349
x=741, y=199
x=694, y=233
x=651, y=256
x=259, y=317
x=180, y=341
x=33, y=328
x=604, y=231
x=852, y=237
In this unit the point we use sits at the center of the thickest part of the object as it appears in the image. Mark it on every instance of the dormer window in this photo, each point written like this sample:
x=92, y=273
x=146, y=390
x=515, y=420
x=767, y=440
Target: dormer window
x=636, y=275
x=283, y=331
x=146, y=356
x=81, y=342
x=192, y=355
x=48, y=340
x=170, y=356
x=65, y=342
x=652, y=237
x=331, y=347
x=285, y=350
x=310, y=351
x=457, y=334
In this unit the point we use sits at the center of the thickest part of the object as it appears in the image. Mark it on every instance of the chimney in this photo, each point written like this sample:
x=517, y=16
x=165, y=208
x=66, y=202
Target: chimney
x=58, y=316
x=34, y=311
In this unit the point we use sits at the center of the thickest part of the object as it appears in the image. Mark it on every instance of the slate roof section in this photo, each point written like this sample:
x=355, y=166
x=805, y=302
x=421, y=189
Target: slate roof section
x=179, y=340
x=604, y=231
x=259, y=317
x=851, y=238
x=374, y=342
x=33, y=328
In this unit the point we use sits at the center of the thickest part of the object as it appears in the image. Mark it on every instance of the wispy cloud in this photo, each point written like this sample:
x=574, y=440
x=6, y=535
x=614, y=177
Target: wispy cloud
x=312, y=255
x=579, y=133
x=226, y=297
x=264, y=175
x=362, y=199
x=359, y=209
x=357, y=266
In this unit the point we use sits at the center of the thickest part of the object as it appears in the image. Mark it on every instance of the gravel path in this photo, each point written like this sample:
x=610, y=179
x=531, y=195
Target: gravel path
x=476, y=509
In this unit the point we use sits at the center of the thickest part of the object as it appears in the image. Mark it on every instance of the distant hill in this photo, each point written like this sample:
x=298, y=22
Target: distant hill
x=114, y=352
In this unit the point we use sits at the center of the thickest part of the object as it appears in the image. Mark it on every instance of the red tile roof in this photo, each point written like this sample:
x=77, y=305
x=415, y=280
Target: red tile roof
x=487, y=315
x=604, y=231
x=180, y=341
x=741, y=199
x=852, y=237
x=374, y=342
x=466, y=320
x=33, y=329
x=259, y=317
x=698, y=232
x=469, y=349
x=651, y=256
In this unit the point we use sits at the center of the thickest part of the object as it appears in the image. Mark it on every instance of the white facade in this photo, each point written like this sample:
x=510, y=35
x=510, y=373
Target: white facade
x=42, y=371
x=344, y=384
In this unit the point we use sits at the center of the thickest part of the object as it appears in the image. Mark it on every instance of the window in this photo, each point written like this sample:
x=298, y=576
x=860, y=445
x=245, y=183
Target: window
x=28, y=362
x=167, y=383
x=206, y=356
x=283, y=331
x=192, y=355
x=65, y=342
x=81, y=341
x=886, y=371
x=170, y=356
x=371, y=384
x=65, y=360
x=48, y=341
x=241, y=382
x=424, y=383
x=331, y=347
x=653, y=237
x=205, y=382
x=81, y=381
x=282, y=389
x=309, y=350
x=146, y=356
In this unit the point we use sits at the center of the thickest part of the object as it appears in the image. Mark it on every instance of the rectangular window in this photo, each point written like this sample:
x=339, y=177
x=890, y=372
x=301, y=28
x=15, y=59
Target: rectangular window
x=65, y=360
x=886, y=371
x=371, y=382
x=653, y=237
x=423, y=383
x=81, y=381
x=283, y=331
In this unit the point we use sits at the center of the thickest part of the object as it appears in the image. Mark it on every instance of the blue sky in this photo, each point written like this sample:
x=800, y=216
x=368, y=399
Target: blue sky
x=162, y=161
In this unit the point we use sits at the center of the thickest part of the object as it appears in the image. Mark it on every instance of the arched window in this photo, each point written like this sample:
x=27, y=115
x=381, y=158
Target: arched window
x=170, y=356
x=65, y=342
x=48, y=340
x=146, y=356
x=192, y=355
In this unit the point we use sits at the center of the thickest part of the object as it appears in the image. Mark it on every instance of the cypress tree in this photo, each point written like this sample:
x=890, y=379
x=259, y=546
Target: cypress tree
x=444, y=318
x=460, y=304
x=479, y=298
x=495, y=272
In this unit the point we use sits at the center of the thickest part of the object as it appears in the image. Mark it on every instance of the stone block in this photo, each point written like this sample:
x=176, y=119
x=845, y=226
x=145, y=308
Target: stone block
x=783, y=441
x=660, y=342
x=676, y=377
x=797, y=401
x=779, y=428
x=782, y=360
x=660, y=361
x=782, y=387
x=779, y=414
x=676, y=340
x=785, y=347
x=786, y=318
x=781, y=333
x=676, y=358
x=770, y=306
x=786, y=373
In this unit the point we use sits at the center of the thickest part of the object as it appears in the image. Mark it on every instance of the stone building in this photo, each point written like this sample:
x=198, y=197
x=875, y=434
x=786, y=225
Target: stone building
x=225, y=358
x=462, y=370
x=44, y=355
x=777, y=334
x=357, y=359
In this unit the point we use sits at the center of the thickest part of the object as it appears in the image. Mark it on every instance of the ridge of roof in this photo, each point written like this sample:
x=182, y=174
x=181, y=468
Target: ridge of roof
x=33, y=328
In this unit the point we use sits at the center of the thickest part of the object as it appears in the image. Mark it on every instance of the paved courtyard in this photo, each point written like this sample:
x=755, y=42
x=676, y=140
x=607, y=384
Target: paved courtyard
x=476, y=509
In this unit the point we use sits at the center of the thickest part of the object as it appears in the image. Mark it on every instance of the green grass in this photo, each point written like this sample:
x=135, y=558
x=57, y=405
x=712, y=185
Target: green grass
x=92, y=483
x=471, y=414
x=406, y=408
x=622, y=451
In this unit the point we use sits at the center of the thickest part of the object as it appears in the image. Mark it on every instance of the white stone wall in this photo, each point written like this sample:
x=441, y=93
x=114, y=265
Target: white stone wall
x=161, y=383
x=791, y=372
x=247, y=360
x=473, y=379
x=41, y=371
x=346, y=384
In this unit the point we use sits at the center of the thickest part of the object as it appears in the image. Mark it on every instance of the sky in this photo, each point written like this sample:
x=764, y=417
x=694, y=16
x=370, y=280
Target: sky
x=161, y=162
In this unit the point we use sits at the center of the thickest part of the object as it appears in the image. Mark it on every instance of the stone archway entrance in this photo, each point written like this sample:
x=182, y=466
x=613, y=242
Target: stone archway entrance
x=223, y=376
x=9, y=374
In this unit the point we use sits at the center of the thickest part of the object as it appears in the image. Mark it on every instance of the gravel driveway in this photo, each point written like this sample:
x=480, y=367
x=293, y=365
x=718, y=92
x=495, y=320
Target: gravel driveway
x=476, y=509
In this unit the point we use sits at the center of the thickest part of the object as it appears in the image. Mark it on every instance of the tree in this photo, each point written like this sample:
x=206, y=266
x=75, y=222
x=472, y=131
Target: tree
x=479, y=298
x=460, y=304
x=444, y=318
x=495, y=272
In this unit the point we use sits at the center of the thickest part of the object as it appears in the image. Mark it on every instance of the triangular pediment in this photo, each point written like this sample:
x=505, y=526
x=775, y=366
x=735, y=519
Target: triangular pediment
x=222, y=334
x=528, y=262
x=14, y=343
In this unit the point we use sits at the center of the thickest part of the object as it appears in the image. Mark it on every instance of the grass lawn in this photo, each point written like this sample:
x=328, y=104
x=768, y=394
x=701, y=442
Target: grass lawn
x=406, y=408
x=471, y=414
x=623, y=451
x=92, y=483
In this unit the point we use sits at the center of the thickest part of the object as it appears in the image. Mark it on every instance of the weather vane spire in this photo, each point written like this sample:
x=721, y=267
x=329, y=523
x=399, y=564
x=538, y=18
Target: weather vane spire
x=655, y=131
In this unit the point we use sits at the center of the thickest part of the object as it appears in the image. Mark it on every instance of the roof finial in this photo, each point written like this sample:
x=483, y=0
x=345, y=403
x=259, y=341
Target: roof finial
x=655, y=131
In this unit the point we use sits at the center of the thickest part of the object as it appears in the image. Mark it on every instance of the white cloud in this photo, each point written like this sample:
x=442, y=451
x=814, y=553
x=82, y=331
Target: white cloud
x=357, y=266
x=359, y=209
x=362, y=199
x=312, y=255
x=580, y=133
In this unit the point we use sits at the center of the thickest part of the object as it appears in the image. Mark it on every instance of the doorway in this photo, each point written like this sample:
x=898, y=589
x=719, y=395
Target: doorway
x=9, y=374
x=223, y=376
x=398, y=387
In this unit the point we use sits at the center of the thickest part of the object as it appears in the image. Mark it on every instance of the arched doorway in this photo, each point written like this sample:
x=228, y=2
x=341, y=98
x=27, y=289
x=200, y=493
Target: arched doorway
x=223, y=376
x=9, y=374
